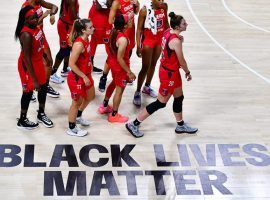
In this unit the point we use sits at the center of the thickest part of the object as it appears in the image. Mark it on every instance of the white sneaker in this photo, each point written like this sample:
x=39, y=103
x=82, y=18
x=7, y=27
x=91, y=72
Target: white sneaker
x=77, y=132
x=83, y=122
x=56, y=79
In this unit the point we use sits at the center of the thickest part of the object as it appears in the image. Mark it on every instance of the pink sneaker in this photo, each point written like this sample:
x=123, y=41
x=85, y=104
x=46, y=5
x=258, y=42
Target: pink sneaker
x=104, y=110
x=117, y=118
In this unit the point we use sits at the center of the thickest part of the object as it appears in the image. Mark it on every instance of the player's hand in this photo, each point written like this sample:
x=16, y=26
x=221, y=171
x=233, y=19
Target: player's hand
x=188, y=76
x=52, y=19
x=131, y=76
x=86, y=80
x=139, y=52
x=36, y=85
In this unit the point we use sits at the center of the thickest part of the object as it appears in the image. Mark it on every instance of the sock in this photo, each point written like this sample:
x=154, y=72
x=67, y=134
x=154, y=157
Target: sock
x=105, y=103
x=22, y=116
x=79, y=113
x=181, y=123
x=114, y=113
x=72, y=125
x=65, y=66
x=40, y=110
x=54, y=70
x=136, y=122
x=147, y=85
x=104, y=75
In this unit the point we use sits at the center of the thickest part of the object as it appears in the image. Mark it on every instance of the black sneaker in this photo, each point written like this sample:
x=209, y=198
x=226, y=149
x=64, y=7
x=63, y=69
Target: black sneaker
x=51, y=92
x=26, y=124
x=102, y=84
x=42, y=118
x=97, y=70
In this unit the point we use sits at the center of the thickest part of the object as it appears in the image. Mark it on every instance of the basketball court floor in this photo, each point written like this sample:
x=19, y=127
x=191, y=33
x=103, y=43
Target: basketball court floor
x=227, y=48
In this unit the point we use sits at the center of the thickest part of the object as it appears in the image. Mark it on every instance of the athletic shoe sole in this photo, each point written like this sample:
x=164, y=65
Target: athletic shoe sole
x=53, y=95
x=180, y=132
x=27, y=128
x=132, y=132
x=73, y=134
x=46, y=125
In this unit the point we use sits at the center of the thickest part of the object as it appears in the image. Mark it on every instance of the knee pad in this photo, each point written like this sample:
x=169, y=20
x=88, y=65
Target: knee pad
x=178, y=104
x=153, y=107
x=62, y=53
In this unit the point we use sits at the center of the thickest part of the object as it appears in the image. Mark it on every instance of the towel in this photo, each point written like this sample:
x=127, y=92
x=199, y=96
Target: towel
x=103, y=3
x=150, y=20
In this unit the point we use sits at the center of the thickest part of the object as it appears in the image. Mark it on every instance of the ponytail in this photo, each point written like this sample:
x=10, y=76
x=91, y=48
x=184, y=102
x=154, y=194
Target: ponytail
x=78, y=26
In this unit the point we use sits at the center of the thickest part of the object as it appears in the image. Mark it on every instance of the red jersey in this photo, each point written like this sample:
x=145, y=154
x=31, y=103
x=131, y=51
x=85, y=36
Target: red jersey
x=37, y=43
x=161, y=22
x=100, y=19
x=169, y=58
x=112, y=58
x=66, y=12
x=126, y=7
x=84, y=61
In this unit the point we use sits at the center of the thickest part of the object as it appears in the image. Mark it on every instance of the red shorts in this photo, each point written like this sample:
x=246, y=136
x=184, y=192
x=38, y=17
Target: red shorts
x=120, y=78
x=100, y=36
x=169, y=80
x=64, y=30
x=130, y=33
x=26, y=78
x=150, y=39
x=77, y=86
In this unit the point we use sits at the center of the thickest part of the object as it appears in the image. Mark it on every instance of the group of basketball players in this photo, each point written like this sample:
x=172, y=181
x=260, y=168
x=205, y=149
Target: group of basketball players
x=110, y=22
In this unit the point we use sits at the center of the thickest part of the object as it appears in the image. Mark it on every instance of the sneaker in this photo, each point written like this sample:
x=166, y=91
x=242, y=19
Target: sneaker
x=134, y=130
x=26, y=124
x=42, y=118
x=64, y=73
x=97, y=70
x=52, y=93
x=149, y=91
x=104, y=110
x=33, y=98
x=83, y=122
x=102, y=84
x=117, y=118
x=56, y=79
x=77, y=132
x=137, y=99
x=185, y=129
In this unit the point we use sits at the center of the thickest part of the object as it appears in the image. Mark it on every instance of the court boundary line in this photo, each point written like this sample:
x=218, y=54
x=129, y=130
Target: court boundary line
x=241, y=19
x=220, y=46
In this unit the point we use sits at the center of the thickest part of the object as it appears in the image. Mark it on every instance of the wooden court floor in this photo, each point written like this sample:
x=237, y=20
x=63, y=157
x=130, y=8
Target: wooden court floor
x=227, y=47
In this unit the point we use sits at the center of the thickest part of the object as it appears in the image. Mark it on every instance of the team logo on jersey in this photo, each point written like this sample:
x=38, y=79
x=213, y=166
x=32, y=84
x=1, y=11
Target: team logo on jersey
x=106, y=40
x=164, y=92
x=162, y=10
x=24, y=86
x=159, y=23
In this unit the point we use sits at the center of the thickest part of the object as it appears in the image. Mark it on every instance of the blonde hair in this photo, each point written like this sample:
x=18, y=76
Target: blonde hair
x=78, y=26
